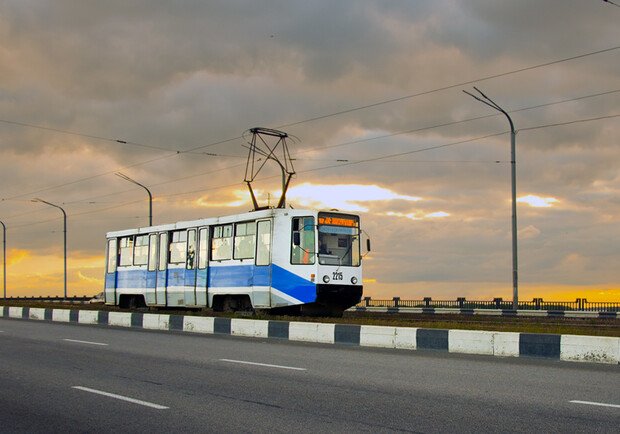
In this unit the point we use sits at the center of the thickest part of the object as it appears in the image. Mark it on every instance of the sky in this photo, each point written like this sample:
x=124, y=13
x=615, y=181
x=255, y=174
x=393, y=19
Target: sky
x=370, y=93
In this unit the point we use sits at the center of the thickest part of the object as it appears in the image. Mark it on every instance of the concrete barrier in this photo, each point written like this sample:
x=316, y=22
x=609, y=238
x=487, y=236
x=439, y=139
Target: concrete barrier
x=88, y=317
x=593, y=349
x=61, y=315
x=471, y=342
x=198, y=324
x=119, y=319
x=597, y=349
x=312, y=332
x=377, y=336
x=36, y=313
x=249, y=328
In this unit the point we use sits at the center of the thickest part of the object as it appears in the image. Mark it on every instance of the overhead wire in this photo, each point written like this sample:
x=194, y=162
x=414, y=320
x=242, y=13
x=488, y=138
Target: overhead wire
x=312, y=119
x=347, y=161
x=367, y=160
x=369, y=139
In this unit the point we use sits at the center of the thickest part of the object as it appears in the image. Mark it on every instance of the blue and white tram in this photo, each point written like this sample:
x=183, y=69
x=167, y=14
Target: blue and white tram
x=296, y=261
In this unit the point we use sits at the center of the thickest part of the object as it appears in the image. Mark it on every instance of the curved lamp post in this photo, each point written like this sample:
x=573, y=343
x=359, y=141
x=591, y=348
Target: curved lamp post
x=127, y=178
x=513, y=164
x=64, y=214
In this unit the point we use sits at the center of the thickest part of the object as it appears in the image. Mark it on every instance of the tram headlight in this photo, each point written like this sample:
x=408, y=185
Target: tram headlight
x=353, y=280
x=326, y=279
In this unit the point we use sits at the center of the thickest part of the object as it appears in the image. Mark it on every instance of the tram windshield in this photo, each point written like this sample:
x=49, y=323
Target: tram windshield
x=339, y=240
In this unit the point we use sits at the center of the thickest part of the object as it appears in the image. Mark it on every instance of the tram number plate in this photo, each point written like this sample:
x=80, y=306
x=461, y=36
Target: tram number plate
x=337, y=275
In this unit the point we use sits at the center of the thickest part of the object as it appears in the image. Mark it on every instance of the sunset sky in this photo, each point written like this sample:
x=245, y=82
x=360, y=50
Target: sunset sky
x=372, y=90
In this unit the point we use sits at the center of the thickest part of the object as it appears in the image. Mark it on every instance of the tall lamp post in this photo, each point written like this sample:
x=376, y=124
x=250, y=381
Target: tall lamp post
x=127, y=178
x=513, y=165
x=64, y=214
x=4, y=255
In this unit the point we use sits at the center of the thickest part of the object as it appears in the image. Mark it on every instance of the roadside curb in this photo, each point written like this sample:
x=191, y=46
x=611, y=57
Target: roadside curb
x=592, y=349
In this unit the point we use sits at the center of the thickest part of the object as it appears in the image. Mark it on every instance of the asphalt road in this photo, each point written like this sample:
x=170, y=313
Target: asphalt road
x=74, y=378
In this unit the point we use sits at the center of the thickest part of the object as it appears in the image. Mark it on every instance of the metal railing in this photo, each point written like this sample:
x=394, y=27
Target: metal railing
x=580, y=304
x=58, y=299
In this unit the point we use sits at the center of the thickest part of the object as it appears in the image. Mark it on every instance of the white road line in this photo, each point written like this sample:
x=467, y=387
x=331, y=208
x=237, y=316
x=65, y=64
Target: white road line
x=263, y=364
x=84, y=342
x=121, y=397
x=600, y=404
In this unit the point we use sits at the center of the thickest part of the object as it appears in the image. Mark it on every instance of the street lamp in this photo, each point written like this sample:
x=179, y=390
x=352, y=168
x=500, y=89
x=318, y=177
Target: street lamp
x=64, y=214
x=4, y=254
x=513, y=164
x=127, y=178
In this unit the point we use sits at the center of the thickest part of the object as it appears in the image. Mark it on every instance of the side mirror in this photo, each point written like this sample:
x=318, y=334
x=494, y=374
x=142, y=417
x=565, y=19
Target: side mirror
x=296, y=239
x=368, y=244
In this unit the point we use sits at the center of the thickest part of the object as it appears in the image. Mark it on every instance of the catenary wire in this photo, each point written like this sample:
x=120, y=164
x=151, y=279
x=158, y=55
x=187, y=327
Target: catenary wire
x=178, y=152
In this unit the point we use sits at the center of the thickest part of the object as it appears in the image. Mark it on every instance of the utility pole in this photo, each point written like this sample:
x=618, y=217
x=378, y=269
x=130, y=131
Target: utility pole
x=513, y=165
x=64, y=231
x=127, y=178
x=4, y=255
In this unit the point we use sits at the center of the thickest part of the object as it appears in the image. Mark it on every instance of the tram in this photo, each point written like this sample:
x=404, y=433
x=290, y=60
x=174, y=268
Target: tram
x=283, y=260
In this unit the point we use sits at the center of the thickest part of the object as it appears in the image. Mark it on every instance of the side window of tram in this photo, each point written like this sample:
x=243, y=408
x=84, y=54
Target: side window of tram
x=163, y=251
x=178, y=246
x=221, y=243
x=152, y=252
x=112, y=255
x=141, y=250
x=203, y=248
x=263, y=243
x=125, y=251
x=302, y=240
x=245, y=236
x=191, y=249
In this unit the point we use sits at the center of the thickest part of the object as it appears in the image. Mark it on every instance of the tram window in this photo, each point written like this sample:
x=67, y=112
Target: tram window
x=245, y=239
x=125, y=251
x=191, y=250
x=178, y=246
x=302, y=252
x=152, y=252
x=263, y=243
x=163, y=251
x=141, y=250
x=202, y=248
x=112, y=255
x=221, y=243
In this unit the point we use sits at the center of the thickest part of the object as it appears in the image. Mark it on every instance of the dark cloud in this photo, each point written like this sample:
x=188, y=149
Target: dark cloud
x=192, y=74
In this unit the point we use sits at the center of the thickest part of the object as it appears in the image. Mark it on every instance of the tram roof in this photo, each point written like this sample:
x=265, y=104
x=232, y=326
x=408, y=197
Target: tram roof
x=210, y=221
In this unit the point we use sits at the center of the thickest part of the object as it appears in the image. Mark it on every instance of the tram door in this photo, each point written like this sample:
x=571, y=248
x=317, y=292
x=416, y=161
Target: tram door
x=162, y=270
x=151, y=274
x=111, y=275
x=262, y=265
x=190, y=269
x=202, y=273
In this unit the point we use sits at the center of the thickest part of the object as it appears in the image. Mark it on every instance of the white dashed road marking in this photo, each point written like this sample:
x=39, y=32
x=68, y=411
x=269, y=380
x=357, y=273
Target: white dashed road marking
x=263, y=364
x=121, y=397
x=600, y=404
x=84, y=342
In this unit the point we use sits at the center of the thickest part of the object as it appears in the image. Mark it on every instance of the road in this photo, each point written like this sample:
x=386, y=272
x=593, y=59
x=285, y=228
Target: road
x=66, y=377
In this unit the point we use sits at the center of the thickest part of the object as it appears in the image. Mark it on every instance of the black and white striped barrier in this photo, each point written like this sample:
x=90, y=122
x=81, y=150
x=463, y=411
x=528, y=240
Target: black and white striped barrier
x=491, y=312
x=505, y=344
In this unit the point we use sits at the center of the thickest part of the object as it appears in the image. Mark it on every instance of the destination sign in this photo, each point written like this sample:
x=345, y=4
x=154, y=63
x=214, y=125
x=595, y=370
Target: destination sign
x=332, y=220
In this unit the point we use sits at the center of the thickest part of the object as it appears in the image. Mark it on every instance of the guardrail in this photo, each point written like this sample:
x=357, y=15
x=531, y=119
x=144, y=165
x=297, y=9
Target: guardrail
x=580, y=304
x=57, y=299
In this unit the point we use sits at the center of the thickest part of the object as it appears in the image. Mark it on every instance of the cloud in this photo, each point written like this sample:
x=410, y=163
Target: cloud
x=15, y=256
x=537, y=201
x=346, y=197
x=193, y=78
